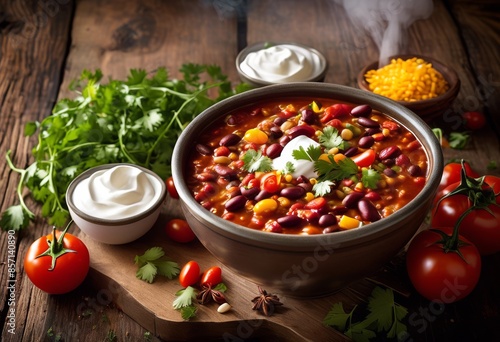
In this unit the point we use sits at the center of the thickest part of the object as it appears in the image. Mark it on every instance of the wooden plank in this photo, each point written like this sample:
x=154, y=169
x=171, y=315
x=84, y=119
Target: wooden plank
x=117, y=36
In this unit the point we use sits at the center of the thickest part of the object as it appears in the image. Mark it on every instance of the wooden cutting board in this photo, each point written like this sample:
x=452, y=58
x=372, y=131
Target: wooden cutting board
x=113, y=274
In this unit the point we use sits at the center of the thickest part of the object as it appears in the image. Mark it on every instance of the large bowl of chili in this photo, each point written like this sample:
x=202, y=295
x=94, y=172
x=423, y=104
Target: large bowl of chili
x=334, y=237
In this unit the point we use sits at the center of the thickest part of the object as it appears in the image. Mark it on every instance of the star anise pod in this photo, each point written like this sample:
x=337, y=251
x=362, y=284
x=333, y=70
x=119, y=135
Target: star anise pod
x=266, y=302
x=207, y=294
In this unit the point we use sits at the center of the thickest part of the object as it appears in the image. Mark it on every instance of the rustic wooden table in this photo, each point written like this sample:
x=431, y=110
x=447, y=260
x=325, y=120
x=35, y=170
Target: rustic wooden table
x=46, y=44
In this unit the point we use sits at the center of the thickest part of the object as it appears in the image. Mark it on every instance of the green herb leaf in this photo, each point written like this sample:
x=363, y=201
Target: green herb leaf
x=137, y=120
x=323, y=188
x=289, y=168
x=184, y=297
x=370, y=178
x=312, y=153
x=152, y=262
x=254, y=161
x=332, y=170
x=458, y=140
x=188, y=312
x=337, y=317
x=331, y=138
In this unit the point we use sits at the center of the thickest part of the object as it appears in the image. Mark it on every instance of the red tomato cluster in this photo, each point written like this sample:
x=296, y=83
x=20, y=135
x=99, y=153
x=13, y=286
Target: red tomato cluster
x=190, y=275
x=444, y=263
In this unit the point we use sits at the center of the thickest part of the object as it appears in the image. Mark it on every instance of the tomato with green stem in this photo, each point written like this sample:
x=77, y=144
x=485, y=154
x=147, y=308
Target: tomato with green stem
x=190, y=273
x=179, y=231
x=442, y=265
x=473, y=204
x=452, y=174
x=58, y=262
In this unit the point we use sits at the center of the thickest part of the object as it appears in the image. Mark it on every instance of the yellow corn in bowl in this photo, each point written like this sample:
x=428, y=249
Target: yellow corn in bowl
x=422, y=84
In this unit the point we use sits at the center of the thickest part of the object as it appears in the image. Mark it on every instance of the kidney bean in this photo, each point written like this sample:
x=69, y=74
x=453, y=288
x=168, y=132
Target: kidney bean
x=367, y=122
x=224, y=171
x=285, y=140
x=327, y=220
x=339, y=209
x=330, y=229
x=351, y=151
x=279, y=121
x=236, y=203
x=368, y=211
x=372, y=131
x=402, y=160
x=389, y=152
x=249, y=193
x=275, y=132
x=206, y=176
x=351, y=200
x=373, y=196
x=307, y=186
x=302, y=179
x=290, y=221
x=306, y=130
x=308, y=116
x=414, y=170
x=366, y=142
x=274, y=150
x=362, y=110
x=293, y=192
x=230, y=140
x=389, y=162
x=203, y=149
x=263, y=194
x=390, y=172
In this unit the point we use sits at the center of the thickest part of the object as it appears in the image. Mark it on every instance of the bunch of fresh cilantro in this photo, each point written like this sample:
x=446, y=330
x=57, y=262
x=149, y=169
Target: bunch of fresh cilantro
x=136, y=120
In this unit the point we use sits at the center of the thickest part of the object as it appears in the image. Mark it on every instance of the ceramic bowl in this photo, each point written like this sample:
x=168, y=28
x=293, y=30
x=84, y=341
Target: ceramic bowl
x=315, y=265
x=119, y=230
x=318, y=73
x=427, y=109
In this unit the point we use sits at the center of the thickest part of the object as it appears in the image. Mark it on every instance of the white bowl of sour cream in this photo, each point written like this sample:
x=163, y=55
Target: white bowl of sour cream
x=274, y=63
x=116, y=203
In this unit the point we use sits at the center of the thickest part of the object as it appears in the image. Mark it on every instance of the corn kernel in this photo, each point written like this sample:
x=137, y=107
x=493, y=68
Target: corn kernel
x=256, y=136
x=284, y=202
x=265, y=206
x=346, y=134
x=347, y=222
x=309, y=196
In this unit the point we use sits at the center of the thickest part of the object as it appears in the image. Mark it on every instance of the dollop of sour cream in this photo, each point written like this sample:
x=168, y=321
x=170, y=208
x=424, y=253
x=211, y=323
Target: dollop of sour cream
x=117, y=193
x=301, y=167
x=282, y=63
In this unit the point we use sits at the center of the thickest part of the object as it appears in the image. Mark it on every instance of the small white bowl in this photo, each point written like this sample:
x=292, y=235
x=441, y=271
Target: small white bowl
x=121, y=230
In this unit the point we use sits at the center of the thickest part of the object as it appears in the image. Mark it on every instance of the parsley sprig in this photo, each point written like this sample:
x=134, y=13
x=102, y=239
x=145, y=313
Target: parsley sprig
x=255, y=161
x=136, y=120
x=153, y=262
x=384, y=315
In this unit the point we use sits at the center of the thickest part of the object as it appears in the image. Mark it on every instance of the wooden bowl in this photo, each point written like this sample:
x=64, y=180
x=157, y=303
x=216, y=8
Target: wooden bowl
x=427, y=109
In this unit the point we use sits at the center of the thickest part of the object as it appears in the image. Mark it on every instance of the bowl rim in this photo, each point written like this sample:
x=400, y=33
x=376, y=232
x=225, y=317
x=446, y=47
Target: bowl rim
x=318, y=76
x=318, y=90
x=449, y=74
x=114, y=222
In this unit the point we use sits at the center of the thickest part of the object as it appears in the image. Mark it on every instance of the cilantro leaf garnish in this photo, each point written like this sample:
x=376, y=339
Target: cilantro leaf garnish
x=331, y=138
x=288, y=169
x=136, y=120
x=312, y=153
x=184, y=297
x=254, y=161
x=458, y=140
x=322, y=188
x=385, y=315
x=333, y=170
x=153, y=263
x=370, y=178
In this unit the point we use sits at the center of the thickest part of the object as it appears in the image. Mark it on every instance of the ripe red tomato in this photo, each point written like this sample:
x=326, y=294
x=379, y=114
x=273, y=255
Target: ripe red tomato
x=440, y=276
x=212, y=276
x=452, y=173
x=172, y=191
x=480, y=226
x=69, y=270
x=179, y=231
x=474, y=120
x=189, y=274
x=365, y=158
x=270, y=183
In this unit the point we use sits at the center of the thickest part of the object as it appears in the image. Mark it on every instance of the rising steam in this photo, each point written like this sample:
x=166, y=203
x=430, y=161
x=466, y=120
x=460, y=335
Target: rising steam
x=387, y=21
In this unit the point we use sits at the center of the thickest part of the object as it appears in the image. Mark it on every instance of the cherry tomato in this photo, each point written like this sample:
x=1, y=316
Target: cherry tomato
x=270, y=183
x=440, y=276
x=189, y=274
x=365, y=158
x=69, y=269
x=334, y=111
x=451, y=174
x=172, y=191
x=474, y=120
x=179, y=231
x=212, y=276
